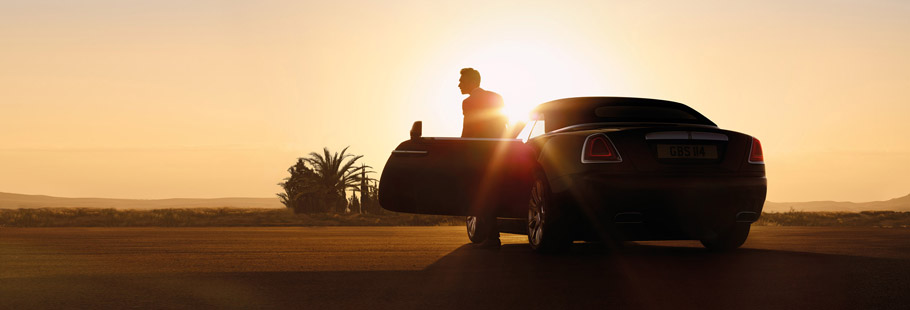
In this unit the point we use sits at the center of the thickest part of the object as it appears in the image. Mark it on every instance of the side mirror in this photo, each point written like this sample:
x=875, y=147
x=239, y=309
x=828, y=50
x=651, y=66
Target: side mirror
x=416, y=130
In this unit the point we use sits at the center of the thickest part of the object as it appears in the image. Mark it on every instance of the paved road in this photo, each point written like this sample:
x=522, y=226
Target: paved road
x=434, y=268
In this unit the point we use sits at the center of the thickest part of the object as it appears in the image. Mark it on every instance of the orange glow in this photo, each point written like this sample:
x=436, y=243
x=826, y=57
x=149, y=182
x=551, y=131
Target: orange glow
x=151, y=99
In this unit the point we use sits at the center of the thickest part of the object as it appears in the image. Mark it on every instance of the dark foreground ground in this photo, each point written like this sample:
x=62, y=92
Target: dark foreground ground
x=434, y=268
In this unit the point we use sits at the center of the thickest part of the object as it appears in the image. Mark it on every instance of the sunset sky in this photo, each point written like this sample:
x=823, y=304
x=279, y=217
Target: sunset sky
x=163, y=99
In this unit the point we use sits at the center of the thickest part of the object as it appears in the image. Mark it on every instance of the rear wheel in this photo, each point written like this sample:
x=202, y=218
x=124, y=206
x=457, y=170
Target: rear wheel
x=546, y=232
x=730, y=239
x=475, y=229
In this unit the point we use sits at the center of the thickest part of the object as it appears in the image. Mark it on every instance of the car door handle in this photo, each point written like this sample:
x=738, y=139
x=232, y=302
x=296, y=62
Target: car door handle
x=410, y=153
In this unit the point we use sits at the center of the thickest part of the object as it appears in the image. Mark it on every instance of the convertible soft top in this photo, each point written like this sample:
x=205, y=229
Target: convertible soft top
x=589, y=110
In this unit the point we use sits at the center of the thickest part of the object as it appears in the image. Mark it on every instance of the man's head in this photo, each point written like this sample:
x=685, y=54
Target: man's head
x=470, y=79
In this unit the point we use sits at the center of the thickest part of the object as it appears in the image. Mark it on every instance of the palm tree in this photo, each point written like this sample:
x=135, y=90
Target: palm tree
x=300, y=189
x=335, y=174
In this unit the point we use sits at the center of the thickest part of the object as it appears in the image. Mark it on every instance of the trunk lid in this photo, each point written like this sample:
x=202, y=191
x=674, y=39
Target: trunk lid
x=682, y=149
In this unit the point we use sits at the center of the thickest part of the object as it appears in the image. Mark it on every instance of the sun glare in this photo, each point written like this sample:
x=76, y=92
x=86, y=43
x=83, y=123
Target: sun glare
x=529, y=72
x=516, y=113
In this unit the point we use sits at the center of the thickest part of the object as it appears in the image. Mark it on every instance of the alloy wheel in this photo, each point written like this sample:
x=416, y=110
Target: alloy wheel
x=473, y=225
x=536, y=214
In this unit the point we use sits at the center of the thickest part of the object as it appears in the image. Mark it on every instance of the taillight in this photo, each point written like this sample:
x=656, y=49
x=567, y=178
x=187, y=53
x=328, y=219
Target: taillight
x=599, y=149
x=755, y=155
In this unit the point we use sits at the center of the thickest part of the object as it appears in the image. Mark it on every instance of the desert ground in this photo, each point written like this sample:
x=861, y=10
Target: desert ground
x=436, y=268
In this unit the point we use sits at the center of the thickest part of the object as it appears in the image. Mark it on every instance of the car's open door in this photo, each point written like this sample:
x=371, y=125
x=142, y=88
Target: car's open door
x=458, y=176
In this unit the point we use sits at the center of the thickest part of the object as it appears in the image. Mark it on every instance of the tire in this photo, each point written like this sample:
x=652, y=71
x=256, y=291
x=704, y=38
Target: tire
x=546, y=231
x=732, y=238
x=475, y=231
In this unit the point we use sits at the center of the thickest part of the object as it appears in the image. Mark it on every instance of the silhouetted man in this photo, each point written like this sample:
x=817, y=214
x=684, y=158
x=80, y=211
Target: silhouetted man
x=483, y=118
x=482, y=109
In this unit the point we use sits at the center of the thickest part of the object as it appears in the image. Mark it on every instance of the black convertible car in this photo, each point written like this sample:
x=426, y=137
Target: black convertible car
x=590, y=168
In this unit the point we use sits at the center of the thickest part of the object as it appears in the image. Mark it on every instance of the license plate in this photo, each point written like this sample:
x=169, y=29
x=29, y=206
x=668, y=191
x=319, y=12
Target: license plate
x=687, y=151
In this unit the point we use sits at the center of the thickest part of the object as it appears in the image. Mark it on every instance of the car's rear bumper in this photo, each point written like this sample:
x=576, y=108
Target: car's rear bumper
x=659, y=207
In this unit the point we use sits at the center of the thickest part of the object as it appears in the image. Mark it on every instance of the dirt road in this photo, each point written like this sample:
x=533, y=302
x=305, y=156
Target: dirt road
x=435, y=268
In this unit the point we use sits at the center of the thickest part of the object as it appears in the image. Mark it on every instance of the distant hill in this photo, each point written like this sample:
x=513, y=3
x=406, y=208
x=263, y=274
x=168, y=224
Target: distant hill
x=16, y=201
x=896, y=204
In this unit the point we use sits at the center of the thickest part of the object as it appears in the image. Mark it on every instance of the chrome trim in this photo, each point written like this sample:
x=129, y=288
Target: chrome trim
x=477, y=139
x=686, y=135
x=712, y=136
x=579, y=125
x=406, y=152
x=614, y=124
x=667, y=135
x=585, y=146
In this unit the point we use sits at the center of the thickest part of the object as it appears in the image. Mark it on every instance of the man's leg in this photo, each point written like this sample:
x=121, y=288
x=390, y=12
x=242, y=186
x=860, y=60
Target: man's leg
x=492, y=241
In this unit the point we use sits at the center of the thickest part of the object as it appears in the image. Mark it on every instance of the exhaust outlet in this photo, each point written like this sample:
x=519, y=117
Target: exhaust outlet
x=746, y=217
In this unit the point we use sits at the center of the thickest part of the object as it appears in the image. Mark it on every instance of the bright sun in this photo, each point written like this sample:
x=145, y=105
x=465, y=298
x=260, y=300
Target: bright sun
x=527, y=73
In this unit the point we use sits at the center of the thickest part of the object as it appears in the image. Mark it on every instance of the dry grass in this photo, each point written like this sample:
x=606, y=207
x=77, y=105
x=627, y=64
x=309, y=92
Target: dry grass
x=206, y=217
x=861, y=219
x=226, y=217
